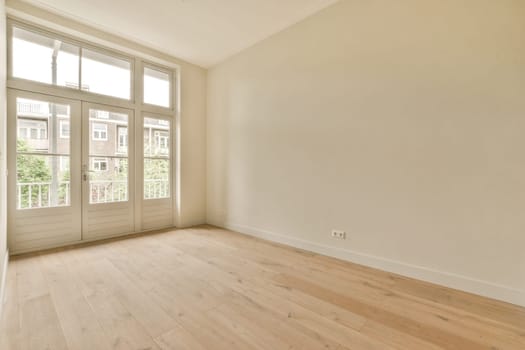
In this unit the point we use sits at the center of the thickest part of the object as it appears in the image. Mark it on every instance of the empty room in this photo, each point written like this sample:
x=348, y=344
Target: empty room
x=262, y=174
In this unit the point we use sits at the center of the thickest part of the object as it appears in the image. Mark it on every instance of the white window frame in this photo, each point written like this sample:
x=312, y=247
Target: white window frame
x=157, y=141
x=40, y=132
x=61, y=133
x=96, y=164
x=101, y=51
x=66, y=39
x=124, y=137
x=171, y=84
x=139, y=56
x=94, y=132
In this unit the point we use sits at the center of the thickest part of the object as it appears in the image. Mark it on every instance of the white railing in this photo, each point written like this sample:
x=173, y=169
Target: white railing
x=107, y=191
x=156, y=189
x=40, y=194
x=28, y=107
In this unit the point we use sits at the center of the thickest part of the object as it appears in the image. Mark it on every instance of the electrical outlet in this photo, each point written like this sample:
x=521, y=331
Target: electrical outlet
x=338, y=234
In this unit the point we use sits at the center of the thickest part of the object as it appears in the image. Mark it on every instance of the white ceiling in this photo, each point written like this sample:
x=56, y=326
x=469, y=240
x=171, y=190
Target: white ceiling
x=203, y=32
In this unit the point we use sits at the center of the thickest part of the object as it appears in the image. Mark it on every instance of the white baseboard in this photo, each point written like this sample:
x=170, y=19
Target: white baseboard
x=447, y=279
x=3, y=281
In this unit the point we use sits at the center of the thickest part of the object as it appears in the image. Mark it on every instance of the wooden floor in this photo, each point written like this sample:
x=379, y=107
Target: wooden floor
x=207, y=288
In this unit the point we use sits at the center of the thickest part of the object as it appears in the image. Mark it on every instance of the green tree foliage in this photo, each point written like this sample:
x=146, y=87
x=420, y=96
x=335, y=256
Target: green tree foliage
x=156, y=169
x=31, y=169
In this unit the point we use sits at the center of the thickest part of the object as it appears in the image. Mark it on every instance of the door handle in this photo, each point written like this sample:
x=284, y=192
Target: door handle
x=85, y=173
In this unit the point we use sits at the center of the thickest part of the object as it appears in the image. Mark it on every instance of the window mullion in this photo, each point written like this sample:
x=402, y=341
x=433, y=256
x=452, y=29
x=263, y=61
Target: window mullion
x=80, y=69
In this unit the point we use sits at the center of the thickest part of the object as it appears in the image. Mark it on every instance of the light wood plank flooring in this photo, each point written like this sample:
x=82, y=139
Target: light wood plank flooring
x=208, y=288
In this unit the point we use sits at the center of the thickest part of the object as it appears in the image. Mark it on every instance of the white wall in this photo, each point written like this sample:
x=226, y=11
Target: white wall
x=193, y=146
x=3, y=192
x=400, y=122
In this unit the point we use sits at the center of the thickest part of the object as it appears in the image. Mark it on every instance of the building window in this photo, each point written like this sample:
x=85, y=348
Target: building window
x=101, y=114
x=64, y=163
x=32, y=129
x=100, y=164
x=64, y=129
x=100, y=132
x=122, y=139
x=162, y=141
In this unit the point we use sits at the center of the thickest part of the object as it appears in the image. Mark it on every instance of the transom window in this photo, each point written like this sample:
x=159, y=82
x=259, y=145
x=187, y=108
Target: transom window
x=157, y=87
x=105, y=74
x=49, y=60
x=44, y=57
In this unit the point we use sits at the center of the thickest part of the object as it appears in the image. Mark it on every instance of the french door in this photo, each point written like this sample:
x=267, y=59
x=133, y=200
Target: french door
x=107, y=171
x=71, y=171
x=44, y=149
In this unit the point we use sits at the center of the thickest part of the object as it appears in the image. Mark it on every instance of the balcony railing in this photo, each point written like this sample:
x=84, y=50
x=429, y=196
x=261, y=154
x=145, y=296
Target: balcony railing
x=43, y=109
x=156, y=189
x=41, y=195
x=108, y=191
x=27, y=107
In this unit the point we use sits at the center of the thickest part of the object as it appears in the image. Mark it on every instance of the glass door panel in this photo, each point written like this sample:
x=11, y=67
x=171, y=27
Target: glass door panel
x=157, y=201
x=108, y=157
x=41, y=154
x=156, y=158
x=107, y=175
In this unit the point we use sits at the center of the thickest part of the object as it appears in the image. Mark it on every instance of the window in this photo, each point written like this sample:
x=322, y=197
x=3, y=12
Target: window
x=44, y=59
x=101, y=114
x=32, y=129
x=48, y=59
x=122, y=139
x=157, y=87
x=100, y=164
x=100, y=132
x=39, y=125
x=108, y=160
x=156, y=158
x=64, y=164
x=64, y=129
x=105, y=74
x=23, y=133
x=42, y=180
x=75, y=69
x=161, y=142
